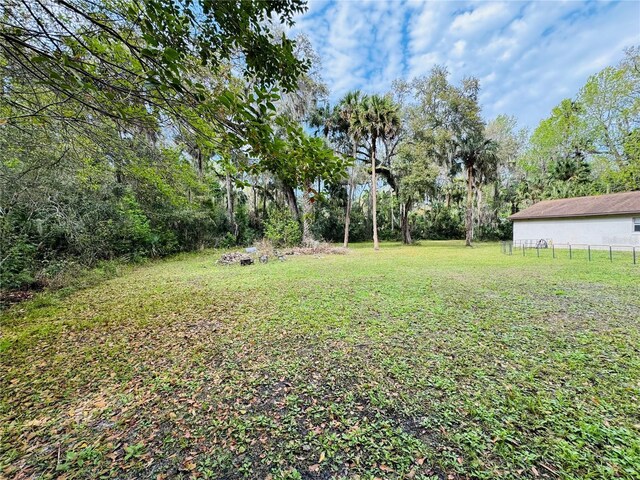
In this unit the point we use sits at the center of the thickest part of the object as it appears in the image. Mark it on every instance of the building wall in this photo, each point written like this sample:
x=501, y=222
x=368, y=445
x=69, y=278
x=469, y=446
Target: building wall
x=609, y=230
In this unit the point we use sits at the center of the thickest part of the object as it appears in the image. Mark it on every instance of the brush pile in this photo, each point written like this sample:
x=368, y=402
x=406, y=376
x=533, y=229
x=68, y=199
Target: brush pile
x=264, y=251
x=232, y=258
x=318, y=248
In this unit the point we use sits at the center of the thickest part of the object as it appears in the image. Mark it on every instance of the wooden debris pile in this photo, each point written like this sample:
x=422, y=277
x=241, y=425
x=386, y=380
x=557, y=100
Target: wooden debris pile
x=316, y=249
x=232, y=258
x=265, y=252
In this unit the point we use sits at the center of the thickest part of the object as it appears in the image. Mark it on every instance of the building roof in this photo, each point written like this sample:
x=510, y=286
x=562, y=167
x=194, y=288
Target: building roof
x=627, y=203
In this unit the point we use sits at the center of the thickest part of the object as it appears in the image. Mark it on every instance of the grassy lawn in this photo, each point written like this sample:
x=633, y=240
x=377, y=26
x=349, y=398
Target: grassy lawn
x=431, y=361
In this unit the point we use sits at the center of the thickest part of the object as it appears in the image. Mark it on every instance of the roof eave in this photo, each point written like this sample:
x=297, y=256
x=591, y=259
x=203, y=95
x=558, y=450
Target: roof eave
x=599, y=214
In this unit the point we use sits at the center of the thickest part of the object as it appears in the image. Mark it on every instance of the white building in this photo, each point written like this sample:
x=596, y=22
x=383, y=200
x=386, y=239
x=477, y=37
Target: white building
x=600, y=220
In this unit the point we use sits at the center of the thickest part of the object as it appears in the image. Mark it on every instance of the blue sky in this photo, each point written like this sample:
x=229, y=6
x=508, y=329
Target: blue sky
x=527, y=55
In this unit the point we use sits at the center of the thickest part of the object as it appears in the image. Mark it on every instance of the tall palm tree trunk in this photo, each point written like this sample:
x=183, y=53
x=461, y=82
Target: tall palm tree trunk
x=374, y=194
x=347, y=217
x=469, y=213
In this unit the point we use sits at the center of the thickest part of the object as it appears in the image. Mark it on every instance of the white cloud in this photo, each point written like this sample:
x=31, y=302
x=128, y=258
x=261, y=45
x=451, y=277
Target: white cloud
x=458, y=48
x=482, y=17
x=528, y=56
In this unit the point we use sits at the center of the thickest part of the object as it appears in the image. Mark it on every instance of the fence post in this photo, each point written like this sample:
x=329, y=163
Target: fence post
x=523, y=249
x=589, y=250
x=570, y=257
x=553, y=250
x=610, y=254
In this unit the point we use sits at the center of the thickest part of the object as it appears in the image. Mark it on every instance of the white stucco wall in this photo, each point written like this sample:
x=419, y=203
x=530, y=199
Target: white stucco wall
x=609, y=230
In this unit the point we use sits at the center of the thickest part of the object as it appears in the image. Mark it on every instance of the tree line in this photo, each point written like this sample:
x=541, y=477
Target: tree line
x=446, y=172
x=132, y=129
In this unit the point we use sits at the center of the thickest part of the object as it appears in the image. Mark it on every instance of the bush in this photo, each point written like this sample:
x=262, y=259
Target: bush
x=438, y=223
x=188, y=229
x=281, y=229
x=360, y=227
x=17, y=267
x=228, y=241
x=137, y=200
x=134, y=237
x=246, y=233
x=328, y=223
x=503, y=230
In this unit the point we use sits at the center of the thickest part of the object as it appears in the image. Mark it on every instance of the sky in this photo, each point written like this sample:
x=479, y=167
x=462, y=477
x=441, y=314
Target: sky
x=528, y=56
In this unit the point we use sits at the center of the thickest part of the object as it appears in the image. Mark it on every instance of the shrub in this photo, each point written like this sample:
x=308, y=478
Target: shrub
x=16, y=269
x=503, y=230
x=246, y=233
x=135, y=235
x=328, y=223
x=228, y=241
x=281, y=229
x=438, y=223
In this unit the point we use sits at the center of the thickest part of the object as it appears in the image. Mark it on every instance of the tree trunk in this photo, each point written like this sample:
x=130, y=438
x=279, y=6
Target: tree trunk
x=292, y=202
x=254, y=192
x=469, y=213
x=229, y=189
x=347, y=216
x=307, y=236
x=230, y=215
x=200, y=164
x=496, y=203
x=351, y=188
x=480, y=217
x=119, y=175
x=264, y=198
x=264, y=206
x=391, y=212
x=374, y=190
x=404, y=223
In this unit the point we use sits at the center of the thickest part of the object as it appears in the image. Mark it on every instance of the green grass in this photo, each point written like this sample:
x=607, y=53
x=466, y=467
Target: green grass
x=430, y=361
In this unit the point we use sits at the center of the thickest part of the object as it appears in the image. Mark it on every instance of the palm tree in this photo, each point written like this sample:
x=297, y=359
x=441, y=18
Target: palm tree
x=323, y=120
x=380, y=120
x=350, y=113
x=478, y=156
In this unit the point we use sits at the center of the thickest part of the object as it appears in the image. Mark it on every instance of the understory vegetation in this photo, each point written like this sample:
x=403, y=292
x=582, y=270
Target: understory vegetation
x=131, y=130
x=422, y=362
